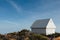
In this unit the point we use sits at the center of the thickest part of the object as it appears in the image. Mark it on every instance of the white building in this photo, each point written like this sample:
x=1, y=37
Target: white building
x=43, y=26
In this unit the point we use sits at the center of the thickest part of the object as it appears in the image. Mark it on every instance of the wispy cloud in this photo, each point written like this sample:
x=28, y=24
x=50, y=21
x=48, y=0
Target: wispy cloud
x=18, y=8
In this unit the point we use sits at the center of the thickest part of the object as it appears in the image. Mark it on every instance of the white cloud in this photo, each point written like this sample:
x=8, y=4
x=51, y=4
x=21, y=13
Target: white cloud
x=18, y=8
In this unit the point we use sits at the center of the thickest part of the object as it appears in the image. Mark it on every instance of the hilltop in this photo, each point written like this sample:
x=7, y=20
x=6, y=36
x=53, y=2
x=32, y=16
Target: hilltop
x=26, y=35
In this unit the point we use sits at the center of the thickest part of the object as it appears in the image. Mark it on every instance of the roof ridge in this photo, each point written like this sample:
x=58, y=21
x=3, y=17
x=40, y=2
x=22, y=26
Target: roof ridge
x=40, y=23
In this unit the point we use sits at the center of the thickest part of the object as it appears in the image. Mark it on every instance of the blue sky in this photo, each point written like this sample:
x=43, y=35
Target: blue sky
x=16, y=15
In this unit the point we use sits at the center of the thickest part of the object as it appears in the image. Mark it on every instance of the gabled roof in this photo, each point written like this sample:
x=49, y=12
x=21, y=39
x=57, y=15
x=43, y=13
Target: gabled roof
x=40, y=23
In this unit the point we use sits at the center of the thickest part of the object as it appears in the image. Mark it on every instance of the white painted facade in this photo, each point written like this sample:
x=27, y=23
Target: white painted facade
x=44, y=26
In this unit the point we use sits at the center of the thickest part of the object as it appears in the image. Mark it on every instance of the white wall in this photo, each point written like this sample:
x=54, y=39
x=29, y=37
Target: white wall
x=50, y=31
x=50, y=24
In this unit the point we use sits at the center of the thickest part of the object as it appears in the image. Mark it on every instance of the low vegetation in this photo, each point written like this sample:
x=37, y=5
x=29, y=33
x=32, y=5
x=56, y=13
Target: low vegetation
x=26, y=35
